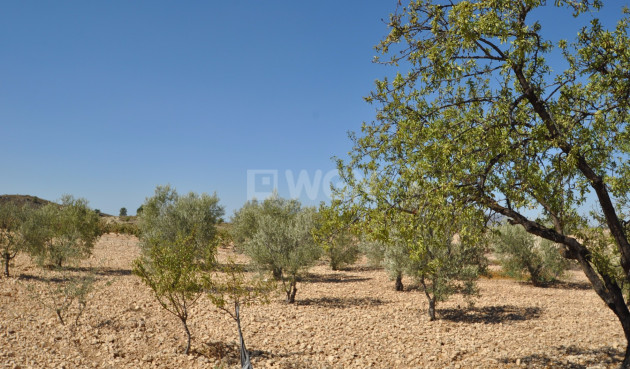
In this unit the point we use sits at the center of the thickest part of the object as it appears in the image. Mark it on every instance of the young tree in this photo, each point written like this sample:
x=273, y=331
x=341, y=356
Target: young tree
x=123, y=212
x=276, y=234
x=480, y=116
x=441, y=245
x=58, y=233
x=11, y=241
x=447, y=256
x=521, y=253
x=333, y=231
x=394, y=256
x=178, y=243
x=233, y=290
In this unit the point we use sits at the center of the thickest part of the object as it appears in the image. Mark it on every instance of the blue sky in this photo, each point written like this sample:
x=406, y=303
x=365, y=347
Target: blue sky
x=106, y=100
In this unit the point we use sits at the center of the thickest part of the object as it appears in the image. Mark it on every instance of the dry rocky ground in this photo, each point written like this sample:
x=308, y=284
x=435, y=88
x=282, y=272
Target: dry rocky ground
x=346, y=319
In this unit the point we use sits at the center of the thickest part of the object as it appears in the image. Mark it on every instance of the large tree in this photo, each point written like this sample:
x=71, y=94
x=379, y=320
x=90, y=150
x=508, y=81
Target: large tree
x=479, y=116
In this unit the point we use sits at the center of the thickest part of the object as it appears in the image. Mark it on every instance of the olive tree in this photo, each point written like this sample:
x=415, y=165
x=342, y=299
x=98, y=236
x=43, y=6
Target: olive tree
x=59, y=233
x=178, y=243
x=11, y=240
x=478, y=115
x=393, y=255
x=277, y=235
x=523, y=254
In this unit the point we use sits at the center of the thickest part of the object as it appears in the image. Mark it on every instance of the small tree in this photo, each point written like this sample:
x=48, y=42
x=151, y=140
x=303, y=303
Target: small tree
x=334, y=233
x=123, y=212
x=278, y=238
x=58, y=233
x=11, y=240
x=393, y=256
x=522, y=253
x=65, y=294
x=444, y=265
x=178, y=245
x=232, y=290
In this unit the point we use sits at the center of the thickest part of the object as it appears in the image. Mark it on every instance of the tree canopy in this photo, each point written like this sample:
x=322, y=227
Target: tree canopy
x=478, y=117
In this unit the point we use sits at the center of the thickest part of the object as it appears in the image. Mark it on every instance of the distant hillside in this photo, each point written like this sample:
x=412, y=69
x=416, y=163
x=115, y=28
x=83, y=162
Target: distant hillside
x=29, y=200
x=20, y=200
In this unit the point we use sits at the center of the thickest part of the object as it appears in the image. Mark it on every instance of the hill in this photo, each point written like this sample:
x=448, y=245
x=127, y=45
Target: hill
x=21, y=200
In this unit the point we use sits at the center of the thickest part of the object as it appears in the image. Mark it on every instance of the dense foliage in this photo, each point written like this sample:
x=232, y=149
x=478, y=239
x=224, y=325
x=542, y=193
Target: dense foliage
x=59, y=233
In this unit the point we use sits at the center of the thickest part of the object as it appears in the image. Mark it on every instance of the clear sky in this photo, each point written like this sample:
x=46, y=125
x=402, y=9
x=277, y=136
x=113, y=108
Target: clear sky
x=105, y=100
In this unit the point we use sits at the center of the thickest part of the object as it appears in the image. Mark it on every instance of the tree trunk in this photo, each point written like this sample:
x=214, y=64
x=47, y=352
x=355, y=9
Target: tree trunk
x=399, y=284
x=333, y=265
x=626, y=360
x=187, y=335
x=430, y=298
x=432, y=309
x=291, y=292
x=7, y=259
x=245, y=360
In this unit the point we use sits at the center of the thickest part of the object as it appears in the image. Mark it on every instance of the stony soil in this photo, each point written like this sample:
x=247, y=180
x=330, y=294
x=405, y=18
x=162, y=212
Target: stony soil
x=346, y=319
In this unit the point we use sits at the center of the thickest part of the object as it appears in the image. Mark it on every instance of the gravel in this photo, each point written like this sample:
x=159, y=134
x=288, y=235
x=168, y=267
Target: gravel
x=341, y=319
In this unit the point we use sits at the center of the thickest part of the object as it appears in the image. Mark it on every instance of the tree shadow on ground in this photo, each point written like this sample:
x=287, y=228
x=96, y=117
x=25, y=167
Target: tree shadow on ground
x=230, y=352
x=58, y=276
x=341, y=302
x=363, y=268
x=580, y=286
x=102, y=271
x=245, y=267
x=572, y=357
x=333, y=278
x=490, y=314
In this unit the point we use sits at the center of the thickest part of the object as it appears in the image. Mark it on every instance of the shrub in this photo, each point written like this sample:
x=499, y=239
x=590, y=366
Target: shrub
x=119, y=228
x=522, y=255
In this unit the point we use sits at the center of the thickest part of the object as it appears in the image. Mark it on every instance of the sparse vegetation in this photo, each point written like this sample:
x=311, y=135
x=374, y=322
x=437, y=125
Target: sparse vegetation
x=230, y=289
x=65, y=294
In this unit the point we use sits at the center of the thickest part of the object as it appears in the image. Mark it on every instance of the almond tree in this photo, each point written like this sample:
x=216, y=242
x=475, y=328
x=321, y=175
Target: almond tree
x=477, y=115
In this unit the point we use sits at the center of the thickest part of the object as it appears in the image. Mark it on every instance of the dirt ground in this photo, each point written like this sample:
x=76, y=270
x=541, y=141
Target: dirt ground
x=345, y=319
